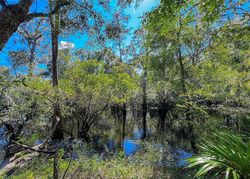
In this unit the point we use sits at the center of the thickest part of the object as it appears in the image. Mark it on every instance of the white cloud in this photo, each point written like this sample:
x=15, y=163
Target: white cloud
x=66, y=45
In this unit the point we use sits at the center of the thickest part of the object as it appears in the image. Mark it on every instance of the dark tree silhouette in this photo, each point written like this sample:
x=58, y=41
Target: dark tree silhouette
x=11, y=16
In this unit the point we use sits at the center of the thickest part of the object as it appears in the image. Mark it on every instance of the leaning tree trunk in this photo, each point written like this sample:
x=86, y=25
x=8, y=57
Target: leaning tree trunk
x=11, y=16
x=57, y=126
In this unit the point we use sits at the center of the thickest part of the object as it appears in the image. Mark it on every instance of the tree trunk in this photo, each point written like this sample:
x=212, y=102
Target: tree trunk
x=58, y=132
x=32, y=59
x=163, y=109
x=162, y=119
x=180, y=59
x=83, y=132
x=144, y=104
x=182, y=70
x=192, y=137
x=11, y=16
x=54, y=37
x=124, y=115
x=120, y=49
x=55, y=166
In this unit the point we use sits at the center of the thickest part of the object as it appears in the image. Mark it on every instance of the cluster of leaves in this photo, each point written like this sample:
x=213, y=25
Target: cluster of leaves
x=89, y=88
x=228, y=153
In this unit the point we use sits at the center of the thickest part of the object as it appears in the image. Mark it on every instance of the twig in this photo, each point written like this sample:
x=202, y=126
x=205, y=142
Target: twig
x=55, y=166
x=34, y=149
x=67, y=169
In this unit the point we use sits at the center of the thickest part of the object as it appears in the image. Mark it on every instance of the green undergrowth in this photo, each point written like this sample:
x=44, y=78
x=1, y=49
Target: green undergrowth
x=144, y=164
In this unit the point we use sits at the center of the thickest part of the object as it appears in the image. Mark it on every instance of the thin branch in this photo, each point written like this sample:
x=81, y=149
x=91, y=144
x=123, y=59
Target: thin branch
x=66, y=171
x=34, y=149
x=30, y=16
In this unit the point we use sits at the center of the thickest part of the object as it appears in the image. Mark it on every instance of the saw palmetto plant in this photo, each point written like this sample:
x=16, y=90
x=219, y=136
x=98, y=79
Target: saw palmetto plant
x=227, y=153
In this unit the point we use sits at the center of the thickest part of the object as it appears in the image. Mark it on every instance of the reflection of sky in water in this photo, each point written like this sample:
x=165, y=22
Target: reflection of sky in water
x=4, y=138
x=182, y=155
x=4, y=142
x=130, y=147
x=138, y=134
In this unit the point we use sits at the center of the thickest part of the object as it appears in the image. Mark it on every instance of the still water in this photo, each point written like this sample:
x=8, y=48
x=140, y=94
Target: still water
x=115, y=139
x=4, y=142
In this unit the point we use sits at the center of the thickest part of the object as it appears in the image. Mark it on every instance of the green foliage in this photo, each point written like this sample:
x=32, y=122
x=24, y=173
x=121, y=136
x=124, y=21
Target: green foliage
x=90, y=77
x=89, y=87
x=93, y=165
x=217, y=81
x=29, y=139
x=226, y=152
x=214, y=55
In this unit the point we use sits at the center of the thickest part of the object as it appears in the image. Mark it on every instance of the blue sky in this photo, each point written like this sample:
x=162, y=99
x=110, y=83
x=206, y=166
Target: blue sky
x=80, y=40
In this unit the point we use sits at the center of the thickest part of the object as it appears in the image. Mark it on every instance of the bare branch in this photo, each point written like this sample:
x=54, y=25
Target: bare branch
x=30, y=16
x=33, y=149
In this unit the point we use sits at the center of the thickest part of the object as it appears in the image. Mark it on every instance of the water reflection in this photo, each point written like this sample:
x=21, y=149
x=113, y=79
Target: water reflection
x=138, y=134
x=130, y=147
x=4, y=142
x=182, y=155
x=128, y=141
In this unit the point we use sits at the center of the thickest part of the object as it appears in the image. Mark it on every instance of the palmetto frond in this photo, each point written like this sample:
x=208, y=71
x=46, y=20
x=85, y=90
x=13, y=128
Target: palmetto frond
x=227, y=152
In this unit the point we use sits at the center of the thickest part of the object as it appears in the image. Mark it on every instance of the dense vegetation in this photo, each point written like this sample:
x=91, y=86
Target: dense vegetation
x=172, y=100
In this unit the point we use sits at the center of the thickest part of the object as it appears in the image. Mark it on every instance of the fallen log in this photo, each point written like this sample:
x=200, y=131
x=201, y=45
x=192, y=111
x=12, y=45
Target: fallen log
x=17, y=162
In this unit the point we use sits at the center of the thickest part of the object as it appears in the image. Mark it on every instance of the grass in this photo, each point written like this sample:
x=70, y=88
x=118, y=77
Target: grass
x=144, y=164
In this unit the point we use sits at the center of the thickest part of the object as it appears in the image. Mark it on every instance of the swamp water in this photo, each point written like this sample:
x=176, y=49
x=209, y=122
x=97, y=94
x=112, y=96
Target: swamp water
x=129, y=141
x=4, y=142
x=114, y=139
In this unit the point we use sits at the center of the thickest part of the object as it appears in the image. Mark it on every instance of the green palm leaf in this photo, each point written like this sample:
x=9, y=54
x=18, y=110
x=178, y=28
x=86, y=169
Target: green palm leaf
x=227, y=152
